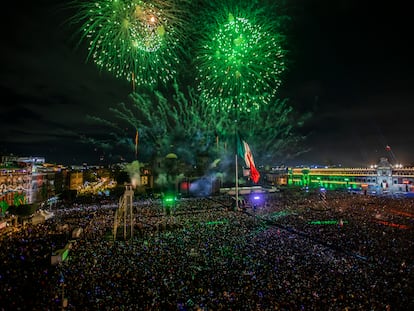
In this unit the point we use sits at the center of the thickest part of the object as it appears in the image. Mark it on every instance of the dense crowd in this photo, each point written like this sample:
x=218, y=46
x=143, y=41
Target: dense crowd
x=295, y=252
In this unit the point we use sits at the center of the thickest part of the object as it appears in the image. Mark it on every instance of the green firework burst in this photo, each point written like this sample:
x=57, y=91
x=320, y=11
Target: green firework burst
x=133, y=39
x=240, y=60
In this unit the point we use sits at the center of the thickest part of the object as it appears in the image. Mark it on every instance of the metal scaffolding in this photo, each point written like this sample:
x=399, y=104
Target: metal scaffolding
x=124, y=213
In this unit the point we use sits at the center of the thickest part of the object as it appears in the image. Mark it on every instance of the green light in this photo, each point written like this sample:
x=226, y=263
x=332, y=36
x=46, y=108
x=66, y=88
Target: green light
x=217, y=222
x=326, y=222
x=169, y=200
x=280, y=214
x=65, y=254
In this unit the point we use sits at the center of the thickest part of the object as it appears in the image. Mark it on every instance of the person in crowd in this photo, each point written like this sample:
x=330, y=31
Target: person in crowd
x=285, y=255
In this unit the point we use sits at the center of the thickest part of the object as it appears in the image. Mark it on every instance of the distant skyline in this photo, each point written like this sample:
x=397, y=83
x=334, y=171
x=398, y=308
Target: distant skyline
x=352, y=67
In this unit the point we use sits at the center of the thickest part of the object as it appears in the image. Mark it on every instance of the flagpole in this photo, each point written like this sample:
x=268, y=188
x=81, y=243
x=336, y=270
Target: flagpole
x=237, y=184
x=236, y=168
x=136, y=145
x=133, y=81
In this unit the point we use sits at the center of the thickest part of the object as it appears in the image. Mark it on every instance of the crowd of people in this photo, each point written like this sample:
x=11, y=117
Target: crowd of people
x=294, y=252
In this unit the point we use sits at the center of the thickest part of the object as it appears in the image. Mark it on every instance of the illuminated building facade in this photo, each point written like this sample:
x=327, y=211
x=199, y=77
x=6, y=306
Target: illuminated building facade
x=28, y=178
x=14, y=181
x=75, y=180
x=147, y=179
x=381, y=178
x=275, y=175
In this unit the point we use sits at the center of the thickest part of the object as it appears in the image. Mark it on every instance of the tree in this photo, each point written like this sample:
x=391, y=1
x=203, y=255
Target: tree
x=3, y=206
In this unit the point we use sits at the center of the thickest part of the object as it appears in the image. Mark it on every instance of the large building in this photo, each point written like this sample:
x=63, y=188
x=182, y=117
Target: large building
x=29, y=179
x=381, y=178
x=15, y=183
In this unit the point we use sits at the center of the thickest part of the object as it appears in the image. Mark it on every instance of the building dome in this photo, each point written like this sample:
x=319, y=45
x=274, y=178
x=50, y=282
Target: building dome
x=171, y=156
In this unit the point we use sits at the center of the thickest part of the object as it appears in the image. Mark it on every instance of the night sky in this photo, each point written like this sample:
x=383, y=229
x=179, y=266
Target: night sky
x=351, y=66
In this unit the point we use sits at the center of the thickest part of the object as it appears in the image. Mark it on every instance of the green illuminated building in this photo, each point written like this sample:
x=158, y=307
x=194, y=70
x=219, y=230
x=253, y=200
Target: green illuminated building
x=381, y=178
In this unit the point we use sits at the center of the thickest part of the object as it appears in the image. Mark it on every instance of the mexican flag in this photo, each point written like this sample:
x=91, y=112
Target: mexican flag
x=243, y=150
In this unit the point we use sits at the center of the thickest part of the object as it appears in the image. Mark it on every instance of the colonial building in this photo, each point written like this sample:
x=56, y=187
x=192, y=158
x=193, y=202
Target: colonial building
x=15, y=181
x=275, y=176
x=29, y=179
x=382, y=178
